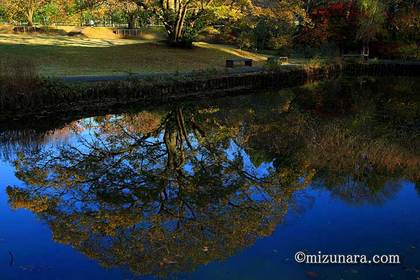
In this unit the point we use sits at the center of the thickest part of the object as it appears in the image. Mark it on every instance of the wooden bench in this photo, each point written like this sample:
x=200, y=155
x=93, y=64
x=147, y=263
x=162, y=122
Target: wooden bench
x=275, y=60
x=363, y=57
x=231, y=62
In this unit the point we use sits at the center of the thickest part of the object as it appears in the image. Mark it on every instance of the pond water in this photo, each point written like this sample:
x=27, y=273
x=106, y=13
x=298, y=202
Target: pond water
x=228, y=188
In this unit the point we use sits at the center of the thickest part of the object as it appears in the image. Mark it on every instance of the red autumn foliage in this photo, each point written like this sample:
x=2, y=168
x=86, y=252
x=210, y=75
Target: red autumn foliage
x=333, y=22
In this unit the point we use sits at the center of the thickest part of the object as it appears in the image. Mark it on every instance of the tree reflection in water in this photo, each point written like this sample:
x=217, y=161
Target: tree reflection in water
x=153, y=192
x=165, y=191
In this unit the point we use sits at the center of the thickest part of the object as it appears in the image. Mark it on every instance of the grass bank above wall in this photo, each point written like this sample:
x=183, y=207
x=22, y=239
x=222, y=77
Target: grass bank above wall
x=60, y=55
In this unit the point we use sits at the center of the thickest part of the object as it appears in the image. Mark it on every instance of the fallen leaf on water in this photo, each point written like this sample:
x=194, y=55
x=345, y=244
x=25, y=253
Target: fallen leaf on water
x=312, y=274
x=35, y=268
x=166, y=261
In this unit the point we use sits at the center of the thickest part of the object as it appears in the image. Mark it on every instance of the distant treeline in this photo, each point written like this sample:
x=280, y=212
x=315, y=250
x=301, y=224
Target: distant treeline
x=388, y=28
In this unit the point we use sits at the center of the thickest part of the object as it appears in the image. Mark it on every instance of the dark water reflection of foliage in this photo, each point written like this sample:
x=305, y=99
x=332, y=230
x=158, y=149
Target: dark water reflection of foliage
x=165, y=190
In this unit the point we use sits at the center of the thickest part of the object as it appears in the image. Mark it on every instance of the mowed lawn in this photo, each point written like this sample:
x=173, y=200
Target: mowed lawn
x=57, y=55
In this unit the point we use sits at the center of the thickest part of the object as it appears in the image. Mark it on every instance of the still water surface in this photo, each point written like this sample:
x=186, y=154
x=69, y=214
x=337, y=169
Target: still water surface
x=229, y=188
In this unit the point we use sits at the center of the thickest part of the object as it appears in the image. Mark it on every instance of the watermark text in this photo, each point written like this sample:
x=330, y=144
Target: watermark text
x=321, y=258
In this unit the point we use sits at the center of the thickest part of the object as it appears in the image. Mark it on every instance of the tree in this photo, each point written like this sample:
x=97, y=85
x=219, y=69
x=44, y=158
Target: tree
x=276, y=25
x=371, y=20
x=52, y=11
x=407, y=24
x=131, y=10
x=25, y=8
x=173, y=14
x=182, y=19
x=330, y=22
x=128, y=9
x=3, y=14
x=86, y=5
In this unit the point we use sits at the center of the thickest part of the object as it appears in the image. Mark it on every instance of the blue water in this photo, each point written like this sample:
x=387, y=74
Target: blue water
x=383, y=219
x=329, y=225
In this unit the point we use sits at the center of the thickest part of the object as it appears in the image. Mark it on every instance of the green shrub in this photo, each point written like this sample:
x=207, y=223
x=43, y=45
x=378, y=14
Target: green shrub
x=410, y=51
x=245, y=40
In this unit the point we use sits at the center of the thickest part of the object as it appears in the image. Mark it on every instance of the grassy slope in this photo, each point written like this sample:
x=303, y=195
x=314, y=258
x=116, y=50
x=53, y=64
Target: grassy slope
x=58, y=55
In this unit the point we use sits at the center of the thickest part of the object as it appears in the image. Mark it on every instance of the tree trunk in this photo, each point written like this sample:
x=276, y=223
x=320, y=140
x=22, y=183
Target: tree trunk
x=170, y=143
x=81, y=17
x=131, y=21
x=29, y=16
x=179, y=23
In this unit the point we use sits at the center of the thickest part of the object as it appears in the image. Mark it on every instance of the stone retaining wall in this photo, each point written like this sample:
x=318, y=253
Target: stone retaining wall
x=61, y=98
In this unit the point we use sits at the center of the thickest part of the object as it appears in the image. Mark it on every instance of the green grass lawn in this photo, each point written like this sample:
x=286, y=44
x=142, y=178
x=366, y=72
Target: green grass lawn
x=56, y=55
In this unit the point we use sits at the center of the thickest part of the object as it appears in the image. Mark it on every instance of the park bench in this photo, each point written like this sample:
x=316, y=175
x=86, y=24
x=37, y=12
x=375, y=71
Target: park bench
x=352, y=57
x=275, y=60
x=231, y=62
